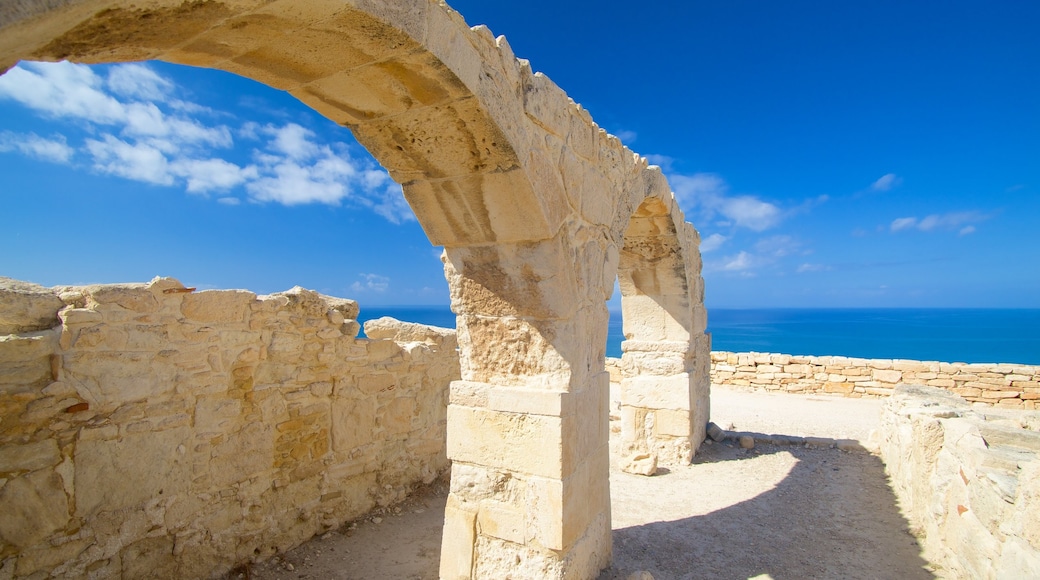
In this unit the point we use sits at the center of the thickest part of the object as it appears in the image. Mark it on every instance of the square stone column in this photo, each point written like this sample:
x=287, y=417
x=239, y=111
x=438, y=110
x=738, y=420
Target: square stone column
x=530, y=494
x=665, y=398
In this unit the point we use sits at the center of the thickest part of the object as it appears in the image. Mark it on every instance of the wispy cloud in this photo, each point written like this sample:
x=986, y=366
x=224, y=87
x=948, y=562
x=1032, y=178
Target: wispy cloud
x=806, y=267
x=962, y=222
x=780, y=246
x=708, y=194
x=712, y=243
x=886, y=182
x=627, y=137
x=55, y=149
x=139, y=129
x=371, y=283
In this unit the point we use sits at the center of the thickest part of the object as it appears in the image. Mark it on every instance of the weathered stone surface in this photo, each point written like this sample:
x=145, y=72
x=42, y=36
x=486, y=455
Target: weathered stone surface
x=26, y=307
x=1007, y=385
x=640, y=464
x=969, y=494
x=34, y=507
x=202, y=415
x=29, y=457
x=538, y=208
x=391, y=329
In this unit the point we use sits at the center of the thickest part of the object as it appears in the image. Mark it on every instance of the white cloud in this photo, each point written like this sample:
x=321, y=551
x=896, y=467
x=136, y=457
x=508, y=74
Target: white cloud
x=886, y=182
x=206, y=175
x=750, y=212
x=901, y=224
x=370, y=283
x=741, y=261
x=138, y=81
x=61, y=90
x=709, y=194
x=55, y=149
x=779, y=246
x=812, y=268
x=627, y=137
x=662, y=161
x=960, y=221
x=712, y=243
x=137, y=161
x=139, y=131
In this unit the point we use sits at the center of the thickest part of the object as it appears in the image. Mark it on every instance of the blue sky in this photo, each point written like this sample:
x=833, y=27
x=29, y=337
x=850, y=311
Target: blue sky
x=831, y=154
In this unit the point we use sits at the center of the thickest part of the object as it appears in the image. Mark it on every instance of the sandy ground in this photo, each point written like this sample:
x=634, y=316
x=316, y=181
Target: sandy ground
x=783, y=511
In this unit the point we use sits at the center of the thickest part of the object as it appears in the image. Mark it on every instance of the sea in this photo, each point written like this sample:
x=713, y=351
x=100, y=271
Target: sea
x=930, y=334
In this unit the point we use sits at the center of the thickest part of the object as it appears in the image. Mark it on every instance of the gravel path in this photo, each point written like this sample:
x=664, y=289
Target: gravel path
x=774, y=511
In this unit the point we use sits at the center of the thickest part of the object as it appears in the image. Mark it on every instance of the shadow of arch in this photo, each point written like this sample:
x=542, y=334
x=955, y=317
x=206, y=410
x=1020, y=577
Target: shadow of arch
x=831, y=516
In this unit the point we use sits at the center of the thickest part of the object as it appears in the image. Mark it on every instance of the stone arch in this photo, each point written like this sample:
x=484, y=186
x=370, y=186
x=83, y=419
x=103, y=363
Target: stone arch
x=530, y=199
x=666, y=353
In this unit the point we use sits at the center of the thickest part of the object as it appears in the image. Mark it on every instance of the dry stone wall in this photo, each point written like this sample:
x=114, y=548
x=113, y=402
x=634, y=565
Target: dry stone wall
x=968, y=479
x=1005, y=385
x=147, y=430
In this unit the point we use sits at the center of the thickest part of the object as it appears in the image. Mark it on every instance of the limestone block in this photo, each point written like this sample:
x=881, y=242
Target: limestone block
x=531, y=280
x=26, y=307
x=25, y=360
x=674, y=392
x=242, y=455
x=390, y=328
x=512, y=351
x=655, y=318
x=131, y=297
x=124, y=473
x=217, y=306
x=532, y=401
x=109, y=379
x=501, y=520
x=671, y=423
x=353, y=423
x=546, y=103
x=34, y=507
x=458, y=540
x=640, y=464
x=29, y=457
x=887, y=376
x=437, y=141
x=531, y=444
x=397, y=417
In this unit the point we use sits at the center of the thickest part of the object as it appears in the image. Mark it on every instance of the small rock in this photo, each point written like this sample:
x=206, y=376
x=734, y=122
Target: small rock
x=747, y=442
x=377, y=520
x=289, y=567
x=326, y=535
x=640, y=464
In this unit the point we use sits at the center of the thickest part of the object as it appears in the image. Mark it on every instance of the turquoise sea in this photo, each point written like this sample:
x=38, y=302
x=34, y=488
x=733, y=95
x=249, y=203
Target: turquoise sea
x=935, y=334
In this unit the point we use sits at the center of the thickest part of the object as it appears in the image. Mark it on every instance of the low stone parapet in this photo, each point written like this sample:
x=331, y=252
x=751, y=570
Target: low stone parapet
x=1005, y=385
x=151, y=431
x=968, y=479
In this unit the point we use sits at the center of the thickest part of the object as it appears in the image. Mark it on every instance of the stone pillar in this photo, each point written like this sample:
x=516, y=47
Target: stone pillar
x=664, y=398
x=528, y=424
x=665, y=362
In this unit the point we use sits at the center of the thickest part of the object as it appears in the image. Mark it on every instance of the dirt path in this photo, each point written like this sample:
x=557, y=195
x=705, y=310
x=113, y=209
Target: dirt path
x=785, y=511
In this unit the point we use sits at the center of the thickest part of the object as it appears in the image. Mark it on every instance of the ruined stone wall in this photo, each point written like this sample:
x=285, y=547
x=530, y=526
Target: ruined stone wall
x=968, y=479
x=1006, y=385
x=151, y=431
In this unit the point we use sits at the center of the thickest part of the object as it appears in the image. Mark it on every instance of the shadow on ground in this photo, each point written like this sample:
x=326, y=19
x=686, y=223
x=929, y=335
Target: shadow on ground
x=832, y=516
